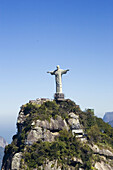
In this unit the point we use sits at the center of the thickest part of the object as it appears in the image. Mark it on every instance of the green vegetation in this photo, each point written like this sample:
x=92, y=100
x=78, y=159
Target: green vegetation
x=96, y=129
x=50, y=109
x=66, y=147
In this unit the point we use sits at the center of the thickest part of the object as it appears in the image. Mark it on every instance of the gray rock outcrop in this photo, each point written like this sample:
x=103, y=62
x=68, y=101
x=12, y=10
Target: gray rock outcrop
x=16, y=161
x=106, y=155
x=103, y=166
x=74, y=121
x=46, y=130
x=50, y=165
x=104, y=152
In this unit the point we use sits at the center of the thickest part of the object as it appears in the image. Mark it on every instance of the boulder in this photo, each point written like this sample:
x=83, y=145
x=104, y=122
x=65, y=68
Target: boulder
x=104, y=152
x=16, y=161
x=53, y=124
x=103, y=166
x=51, y=165
x=74, y=121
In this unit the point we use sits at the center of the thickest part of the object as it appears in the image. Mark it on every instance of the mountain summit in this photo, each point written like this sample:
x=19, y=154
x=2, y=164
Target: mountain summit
x=59, y=135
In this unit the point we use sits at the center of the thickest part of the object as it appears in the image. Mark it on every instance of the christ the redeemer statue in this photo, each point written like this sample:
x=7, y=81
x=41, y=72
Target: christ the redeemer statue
x=58, y=78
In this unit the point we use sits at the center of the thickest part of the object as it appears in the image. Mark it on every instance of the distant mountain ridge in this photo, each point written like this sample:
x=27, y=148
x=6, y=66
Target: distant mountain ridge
x=1, y=155
x=3, y=143
x=108, y=118
x=111, y=123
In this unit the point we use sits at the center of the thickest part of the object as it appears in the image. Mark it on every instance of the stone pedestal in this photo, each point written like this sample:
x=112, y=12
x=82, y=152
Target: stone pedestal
x=59, y=96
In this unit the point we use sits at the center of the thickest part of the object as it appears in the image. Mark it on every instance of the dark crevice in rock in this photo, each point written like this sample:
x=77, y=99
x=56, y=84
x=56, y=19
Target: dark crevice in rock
x=107, y=156
x=54, y=130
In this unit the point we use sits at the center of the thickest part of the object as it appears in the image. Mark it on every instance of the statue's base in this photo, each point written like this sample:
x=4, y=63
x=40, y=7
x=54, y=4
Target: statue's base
x=59, y=96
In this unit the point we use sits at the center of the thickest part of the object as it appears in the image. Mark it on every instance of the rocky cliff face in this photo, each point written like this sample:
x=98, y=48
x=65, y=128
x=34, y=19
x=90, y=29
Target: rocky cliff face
x=55, y=136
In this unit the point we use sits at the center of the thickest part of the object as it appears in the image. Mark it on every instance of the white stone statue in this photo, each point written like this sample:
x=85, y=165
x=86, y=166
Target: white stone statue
x=58, y=78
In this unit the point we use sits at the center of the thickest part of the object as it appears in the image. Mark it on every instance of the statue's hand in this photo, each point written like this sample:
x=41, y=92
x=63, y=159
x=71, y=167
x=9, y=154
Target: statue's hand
x=48, y=71
x=67, y=69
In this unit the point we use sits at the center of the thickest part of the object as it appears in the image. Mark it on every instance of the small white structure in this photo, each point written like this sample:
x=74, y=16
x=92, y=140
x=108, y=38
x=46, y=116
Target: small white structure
x=75, y=125
x=78, y=132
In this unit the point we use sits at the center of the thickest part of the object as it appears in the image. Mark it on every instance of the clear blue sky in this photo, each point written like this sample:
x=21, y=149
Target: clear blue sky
x=37, y=35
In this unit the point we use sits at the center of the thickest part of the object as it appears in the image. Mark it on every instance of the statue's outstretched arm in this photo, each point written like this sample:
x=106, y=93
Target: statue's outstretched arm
x=51, y=72
x=65, y=71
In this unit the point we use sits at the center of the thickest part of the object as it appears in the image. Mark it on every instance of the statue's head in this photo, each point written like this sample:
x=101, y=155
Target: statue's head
x=58, y=67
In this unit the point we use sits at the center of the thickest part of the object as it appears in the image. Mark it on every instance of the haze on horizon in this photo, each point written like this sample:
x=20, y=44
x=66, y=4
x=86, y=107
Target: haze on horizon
x=35, y=36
